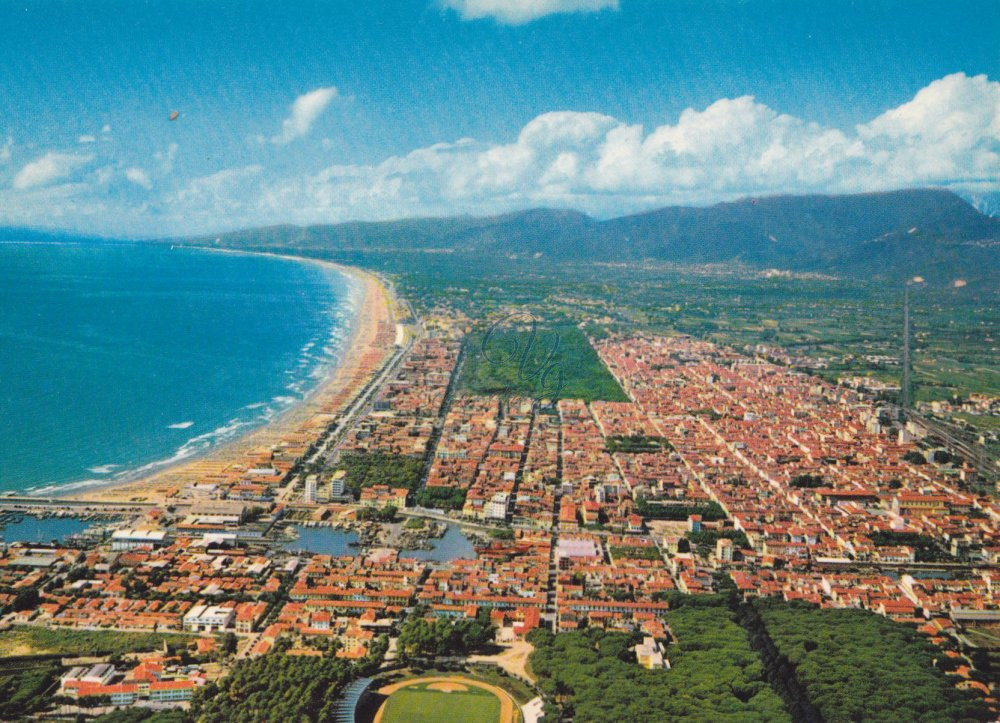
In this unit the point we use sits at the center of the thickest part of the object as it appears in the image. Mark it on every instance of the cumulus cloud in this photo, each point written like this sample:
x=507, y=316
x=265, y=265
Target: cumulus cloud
x=305, y=110
x=518, y=12
x=6, y=150
x=951, y=129
x=86, y=139
x=139, y=177
x=48, y=169
x=948, y=135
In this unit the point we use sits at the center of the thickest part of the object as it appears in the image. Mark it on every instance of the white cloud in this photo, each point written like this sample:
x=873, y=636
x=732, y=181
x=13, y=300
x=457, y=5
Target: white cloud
x=86, y=139
x=518, y=12
x=48, y=169
x=951, y=129
x=6, y=150
x=61, y=206
x=106, y=128
x=165, y=159
x=947, y=135
x=218, y=198
x=105, y=175
x=305, y=110
x=139, y=177
x=219, y=183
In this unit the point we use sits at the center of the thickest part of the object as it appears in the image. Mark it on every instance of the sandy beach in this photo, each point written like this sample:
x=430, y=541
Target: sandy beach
x=297, y=427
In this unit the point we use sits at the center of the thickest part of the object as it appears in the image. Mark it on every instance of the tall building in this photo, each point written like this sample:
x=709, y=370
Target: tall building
x=906, y=349
x=337, y=483
x=724, y=549
x=498, y=506
x=311, y=486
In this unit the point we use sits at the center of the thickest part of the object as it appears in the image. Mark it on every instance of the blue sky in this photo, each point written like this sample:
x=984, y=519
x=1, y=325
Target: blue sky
x=329, y=111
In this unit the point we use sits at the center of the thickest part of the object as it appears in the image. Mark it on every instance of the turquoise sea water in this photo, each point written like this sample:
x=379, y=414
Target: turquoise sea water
x=117, y=358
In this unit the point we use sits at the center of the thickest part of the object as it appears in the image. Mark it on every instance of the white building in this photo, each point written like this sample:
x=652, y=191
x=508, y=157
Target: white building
x=649, y=654
x=498, y=506
x=100, y=674
x=130, y=539
x=208, y=618
x=311, y=485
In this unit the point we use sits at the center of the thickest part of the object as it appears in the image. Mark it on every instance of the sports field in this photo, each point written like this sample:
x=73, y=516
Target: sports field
x=445, y=700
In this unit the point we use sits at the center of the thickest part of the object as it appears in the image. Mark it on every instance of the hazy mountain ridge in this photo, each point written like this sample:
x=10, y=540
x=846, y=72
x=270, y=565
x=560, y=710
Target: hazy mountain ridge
x=897, y=234
x=36, y=235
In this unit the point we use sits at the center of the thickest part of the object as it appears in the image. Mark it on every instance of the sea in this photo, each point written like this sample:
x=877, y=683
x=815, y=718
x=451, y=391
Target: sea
x=117, y=359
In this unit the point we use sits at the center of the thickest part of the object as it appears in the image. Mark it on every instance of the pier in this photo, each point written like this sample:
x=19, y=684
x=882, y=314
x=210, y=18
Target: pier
x=51, y=505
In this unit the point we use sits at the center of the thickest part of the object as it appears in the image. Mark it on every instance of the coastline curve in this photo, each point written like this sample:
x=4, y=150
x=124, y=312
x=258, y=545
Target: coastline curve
x=365, y=347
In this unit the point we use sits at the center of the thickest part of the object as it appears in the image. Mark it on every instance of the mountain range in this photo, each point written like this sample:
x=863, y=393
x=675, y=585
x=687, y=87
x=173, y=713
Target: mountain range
x=893, y=235
x=898, y=234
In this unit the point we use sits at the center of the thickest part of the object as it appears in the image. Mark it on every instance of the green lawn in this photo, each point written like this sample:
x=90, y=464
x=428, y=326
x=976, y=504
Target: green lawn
x=29, y=640
x=981, y=421
x=518, y=689
x=554, y=363
x=417, y=704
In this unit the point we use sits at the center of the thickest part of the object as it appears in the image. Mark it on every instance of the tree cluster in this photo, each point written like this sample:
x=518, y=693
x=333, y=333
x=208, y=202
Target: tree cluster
x=925, y=548
x=277, y=687
x=628, y=552
x=447, y=498
x=593, y=675
x=22, y=690
x=421, y=638
x=367, y=469
x=653, y=511
x=377, y=514
x=136, y=714
x=704, y=540
x=807, y=481
x=855, y=665
x=636, y=443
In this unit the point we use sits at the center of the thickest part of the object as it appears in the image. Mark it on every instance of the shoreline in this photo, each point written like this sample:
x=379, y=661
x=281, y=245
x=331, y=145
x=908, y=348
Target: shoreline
x=363, y=352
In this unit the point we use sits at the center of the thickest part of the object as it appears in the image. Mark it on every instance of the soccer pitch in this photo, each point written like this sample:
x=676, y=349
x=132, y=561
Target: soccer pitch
x=441, y=702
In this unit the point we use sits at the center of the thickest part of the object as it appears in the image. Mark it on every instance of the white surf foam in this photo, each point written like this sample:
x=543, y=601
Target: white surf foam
x=102, y=469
